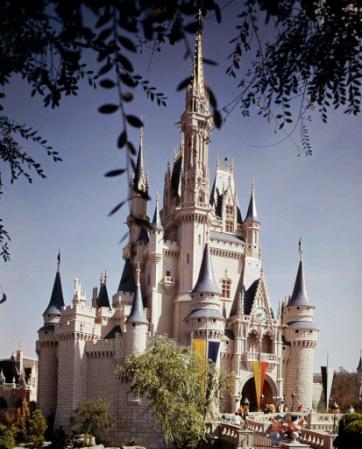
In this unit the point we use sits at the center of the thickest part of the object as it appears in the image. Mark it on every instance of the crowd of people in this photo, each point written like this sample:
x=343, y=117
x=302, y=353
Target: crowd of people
x=286, y=427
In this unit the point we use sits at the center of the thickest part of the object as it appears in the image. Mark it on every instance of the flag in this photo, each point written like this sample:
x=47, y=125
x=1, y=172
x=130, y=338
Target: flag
x=260, y=369
x=256, y=368
x=326, y=384
x=213, y=350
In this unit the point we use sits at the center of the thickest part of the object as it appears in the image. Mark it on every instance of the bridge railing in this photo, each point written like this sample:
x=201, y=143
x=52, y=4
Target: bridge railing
x=317, y=439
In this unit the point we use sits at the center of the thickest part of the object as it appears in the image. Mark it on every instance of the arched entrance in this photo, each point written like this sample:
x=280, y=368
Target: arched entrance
x=249, y=392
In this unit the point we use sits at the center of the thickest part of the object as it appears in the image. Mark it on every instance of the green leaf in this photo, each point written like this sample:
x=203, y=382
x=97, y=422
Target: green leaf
x=107, y=84
x=217, y=118
x=134, y=121
x=116, y=172
x=127, y=43
x=184, y=83
x=125, y=62
x=108, y=108
x=115, y=209
x=122, y=139
x=105, y=69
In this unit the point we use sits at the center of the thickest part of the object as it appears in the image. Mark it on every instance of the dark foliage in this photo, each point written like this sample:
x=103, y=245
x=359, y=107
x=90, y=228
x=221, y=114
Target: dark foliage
x=349, y=432
x=313, y=58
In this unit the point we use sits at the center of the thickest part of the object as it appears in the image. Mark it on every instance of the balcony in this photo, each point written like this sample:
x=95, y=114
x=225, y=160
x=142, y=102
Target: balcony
x=249, y=357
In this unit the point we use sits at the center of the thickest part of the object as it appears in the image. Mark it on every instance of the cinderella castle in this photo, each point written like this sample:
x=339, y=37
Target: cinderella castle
x=192, y=272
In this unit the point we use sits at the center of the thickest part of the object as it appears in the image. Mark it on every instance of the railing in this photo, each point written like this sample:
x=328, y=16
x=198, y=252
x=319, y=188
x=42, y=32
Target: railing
x=317, y=439
x=235, y=435
x=249, y=357
x=256, y=426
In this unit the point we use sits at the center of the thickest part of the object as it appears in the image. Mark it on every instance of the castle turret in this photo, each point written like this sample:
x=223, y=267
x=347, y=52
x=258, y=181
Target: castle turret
x=46, y=349
x=302, y=336
x=251, y=232
x=252, y=227
x=158, y=305
x=359, y=376
x=205, y=319
x=137, y=323
x=52, y=312
x=138, y=194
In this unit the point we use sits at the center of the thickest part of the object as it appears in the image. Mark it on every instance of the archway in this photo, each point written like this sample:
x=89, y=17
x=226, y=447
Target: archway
x=249, y=392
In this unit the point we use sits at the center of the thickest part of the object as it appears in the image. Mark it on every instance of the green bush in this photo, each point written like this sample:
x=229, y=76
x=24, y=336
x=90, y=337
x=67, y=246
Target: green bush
x=346, y=419
x=7, y=440
x=350, y=432
x=36, y=429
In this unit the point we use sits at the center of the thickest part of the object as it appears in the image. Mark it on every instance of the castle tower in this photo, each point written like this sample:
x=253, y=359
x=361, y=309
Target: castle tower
x=159, y=306
x=193, y=215
x=251, y=232
x=46, y=348
x=137, y=323
x=138, y=194
x=302, y=336
x=205, y=320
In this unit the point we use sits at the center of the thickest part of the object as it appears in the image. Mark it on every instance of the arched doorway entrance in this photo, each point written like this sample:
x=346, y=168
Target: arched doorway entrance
x=250, y=393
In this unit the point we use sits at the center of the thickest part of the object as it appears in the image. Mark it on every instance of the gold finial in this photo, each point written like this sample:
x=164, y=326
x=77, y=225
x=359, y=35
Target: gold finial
x=105, y=276
x=300, y=249
x=101, y=279
x=138, y=274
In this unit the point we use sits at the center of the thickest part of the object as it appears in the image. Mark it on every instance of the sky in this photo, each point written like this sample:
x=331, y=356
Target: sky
x=317, y=197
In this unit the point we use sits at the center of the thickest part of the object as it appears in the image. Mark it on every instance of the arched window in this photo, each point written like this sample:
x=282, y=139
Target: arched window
x=226, y=288
x=253, y=342
x=267, y=344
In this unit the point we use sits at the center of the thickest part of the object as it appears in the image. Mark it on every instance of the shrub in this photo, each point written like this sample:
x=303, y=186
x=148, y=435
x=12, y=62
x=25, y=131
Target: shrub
x=90, y=418
x=346, y=419
x=350, y=432
x=351, y=438
x=7, y=440
x=36, y=428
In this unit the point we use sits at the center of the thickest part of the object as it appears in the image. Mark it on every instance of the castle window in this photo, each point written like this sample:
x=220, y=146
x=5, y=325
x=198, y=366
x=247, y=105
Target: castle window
x=199, y=239
x=297, y=331
x=168, y=273
x=229, y=226
x=187, y=258
x=225, y=288
x=149, y=279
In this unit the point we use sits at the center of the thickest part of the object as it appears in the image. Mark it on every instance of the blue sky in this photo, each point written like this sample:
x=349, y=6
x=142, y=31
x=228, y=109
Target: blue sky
x=318, y=198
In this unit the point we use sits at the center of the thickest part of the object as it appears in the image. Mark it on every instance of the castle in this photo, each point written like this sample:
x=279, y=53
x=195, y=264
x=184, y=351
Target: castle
x=200, y=277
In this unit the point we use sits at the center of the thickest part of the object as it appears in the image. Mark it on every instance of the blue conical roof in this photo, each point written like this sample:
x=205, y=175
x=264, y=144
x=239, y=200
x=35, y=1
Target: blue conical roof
x=299, y=296
x=137, y=315
x=56, y=300
x=156, y=221
x=127, y=282
x=252, y=214
x=206, y=281
x=103, y=299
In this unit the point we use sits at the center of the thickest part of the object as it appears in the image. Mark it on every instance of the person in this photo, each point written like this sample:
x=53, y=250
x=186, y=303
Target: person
x=237, y=419
x=271, y=408
x=275, y=431
x=350, y=409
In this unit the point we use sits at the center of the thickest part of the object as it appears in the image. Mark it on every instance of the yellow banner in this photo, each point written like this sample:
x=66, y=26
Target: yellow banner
x=257, y=380
x=199, y=346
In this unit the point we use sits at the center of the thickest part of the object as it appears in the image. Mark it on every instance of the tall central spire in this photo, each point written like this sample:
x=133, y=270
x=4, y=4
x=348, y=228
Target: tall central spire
x=198, y=86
